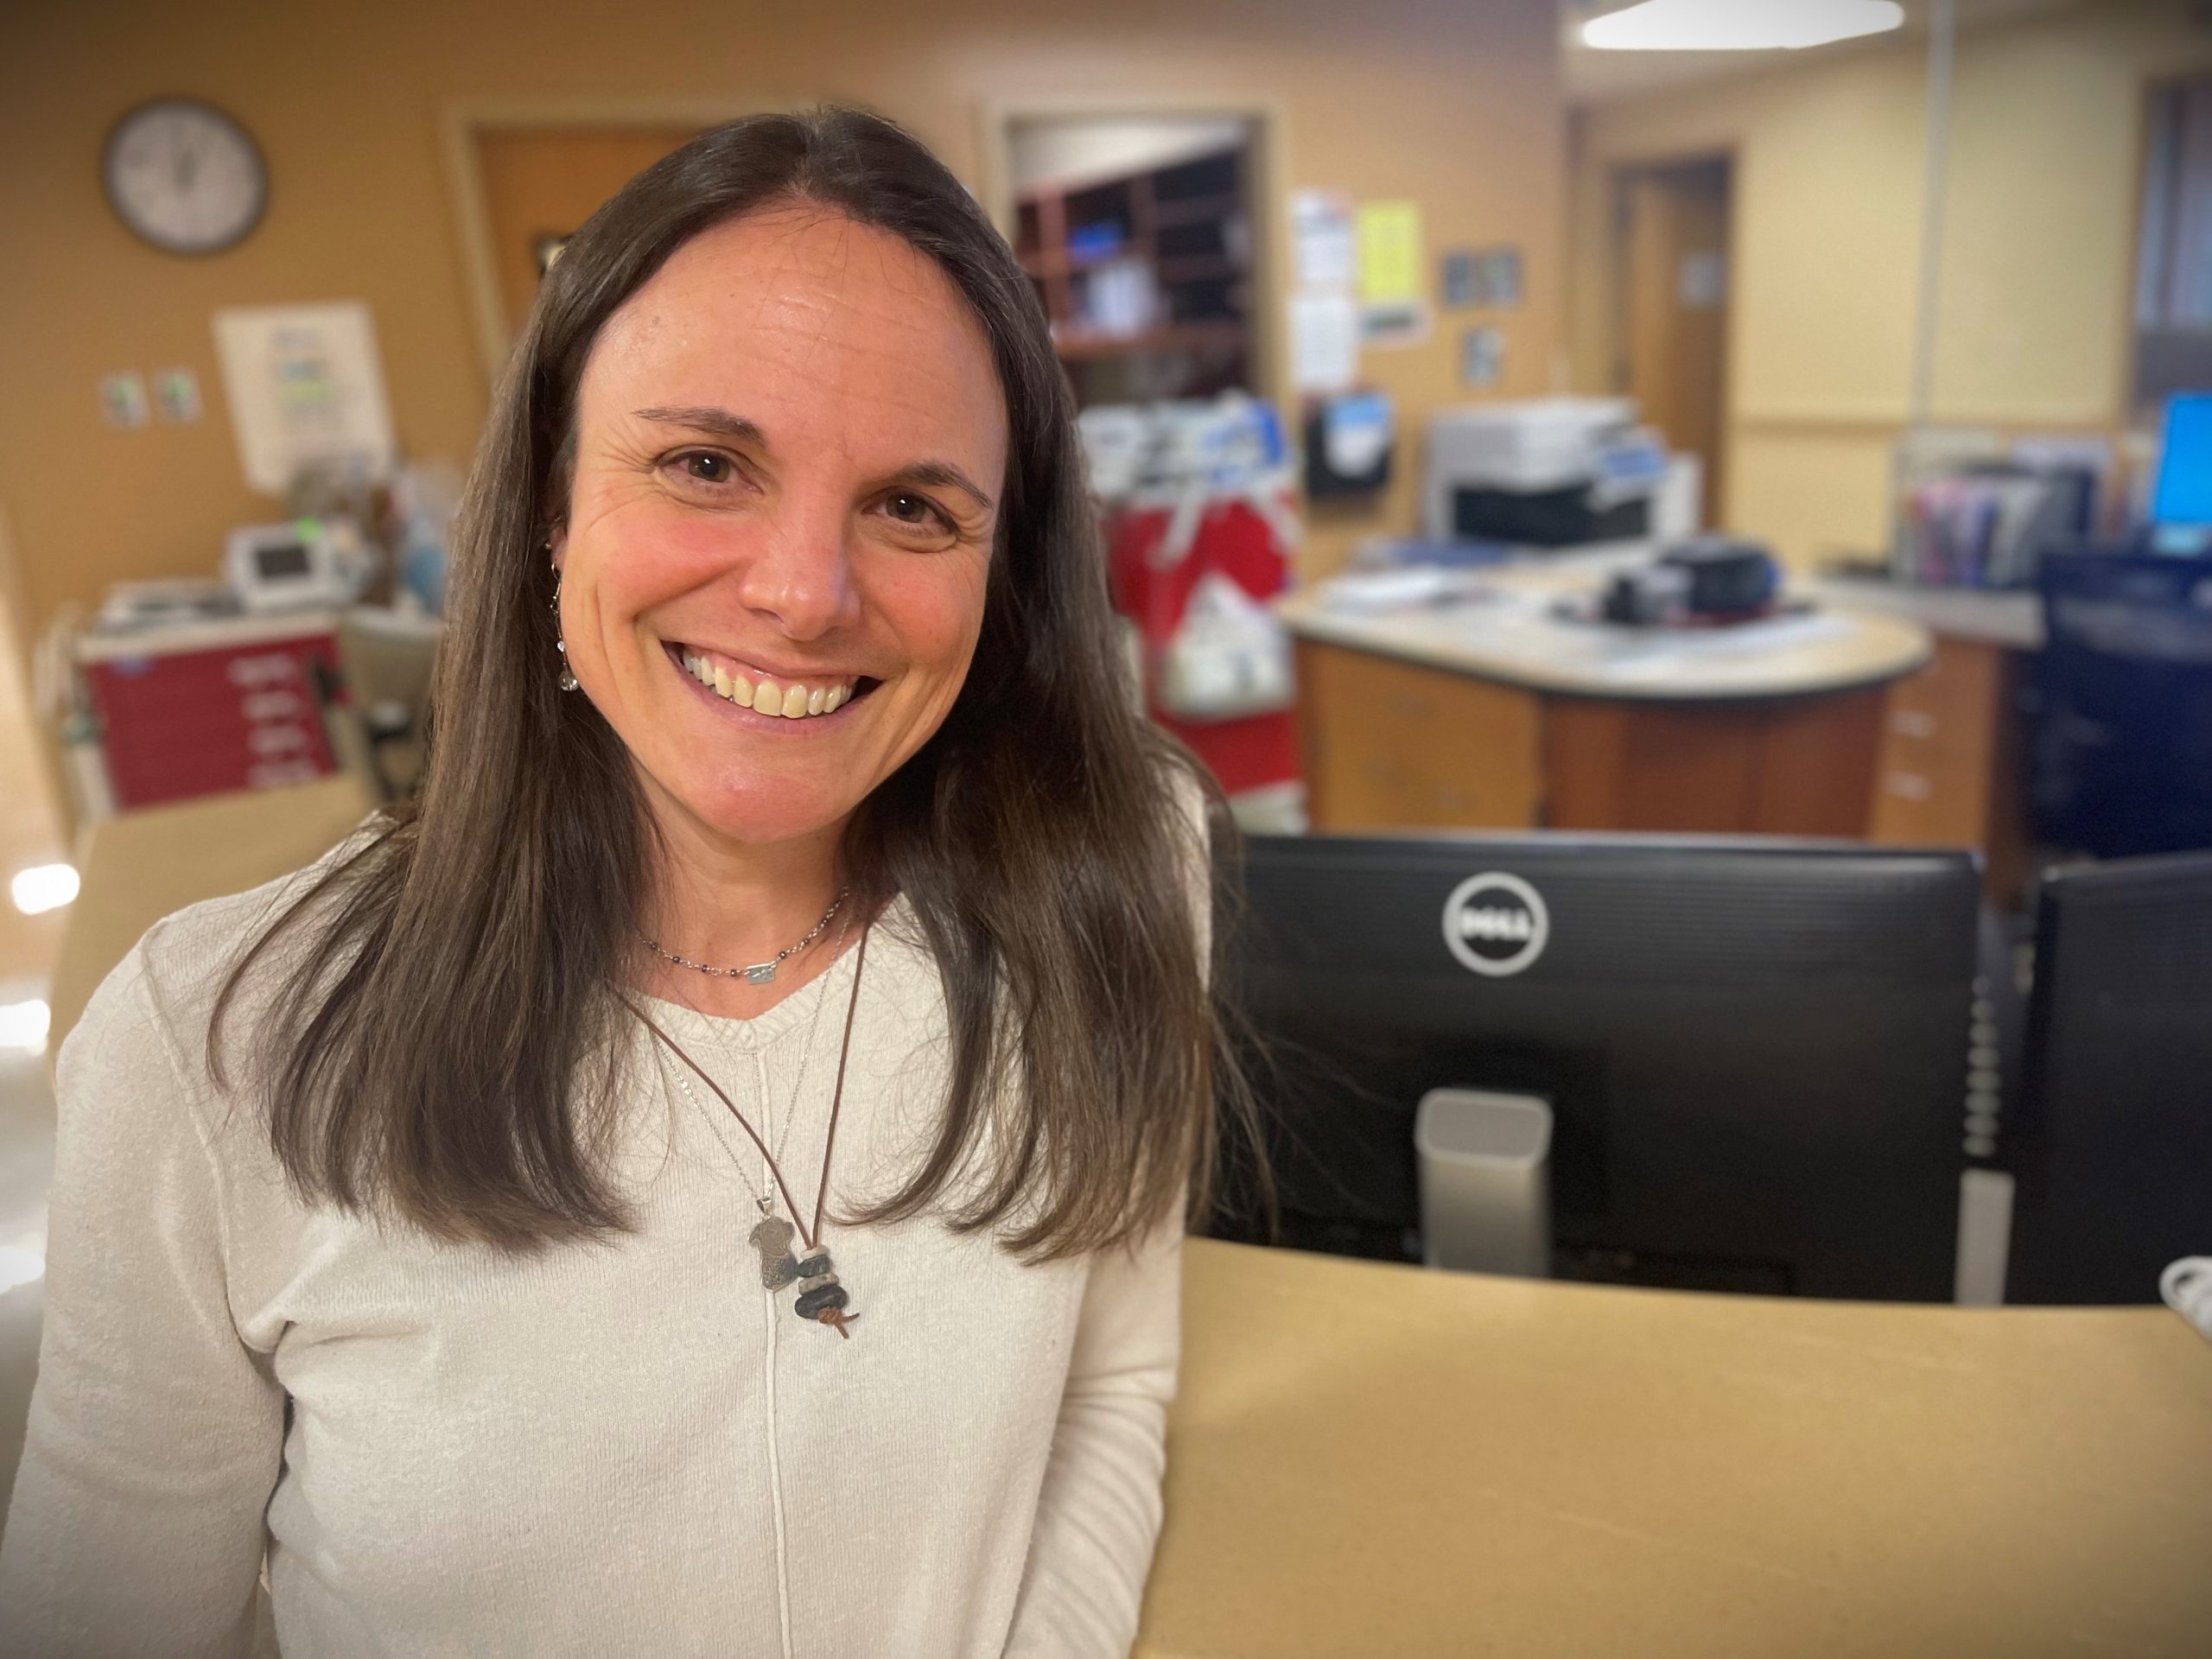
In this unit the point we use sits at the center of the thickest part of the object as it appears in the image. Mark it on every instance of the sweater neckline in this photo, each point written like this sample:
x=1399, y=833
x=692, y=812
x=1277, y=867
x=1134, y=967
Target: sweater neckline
x=751, y=1033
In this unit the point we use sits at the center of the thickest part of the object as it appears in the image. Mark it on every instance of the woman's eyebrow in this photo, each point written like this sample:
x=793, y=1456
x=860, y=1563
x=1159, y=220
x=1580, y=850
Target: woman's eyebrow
x=707, y=418
x=942, y=475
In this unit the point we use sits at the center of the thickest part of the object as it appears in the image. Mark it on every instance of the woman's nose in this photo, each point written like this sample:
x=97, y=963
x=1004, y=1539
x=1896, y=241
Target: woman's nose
x=801, y=574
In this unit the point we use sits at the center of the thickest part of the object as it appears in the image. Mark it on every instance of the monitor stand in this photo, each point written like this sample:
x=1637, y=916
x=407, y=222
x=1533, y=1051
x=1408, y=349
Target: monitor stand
x=1486, y=1181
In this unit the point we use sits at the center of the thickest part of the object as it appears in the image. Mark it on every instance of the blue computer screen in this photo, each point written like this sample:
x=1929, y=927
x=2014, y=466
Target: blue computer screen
x=2185, y=492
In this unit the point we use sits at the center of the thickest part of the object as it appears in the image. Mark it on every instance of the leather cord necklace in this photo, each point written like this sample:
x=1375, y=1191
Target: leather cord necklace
x=821, y=990
x=821, y=1299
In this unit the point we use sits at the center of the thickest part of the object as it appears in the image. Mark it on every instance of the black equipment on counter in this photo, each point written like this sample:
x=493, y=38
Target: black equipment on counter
x=1711, y=576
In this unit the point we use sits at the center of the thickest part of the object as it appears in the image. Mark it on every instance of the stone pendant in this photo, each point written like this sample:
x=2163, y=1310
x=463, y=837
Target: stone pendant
x=820, y=1298
x=760, y=973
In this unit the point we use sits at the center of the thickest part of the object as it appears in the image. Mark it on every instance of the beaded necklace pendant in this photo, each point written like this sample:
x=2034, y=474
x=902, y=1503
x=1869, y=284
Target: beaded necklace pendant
x=822, y=1300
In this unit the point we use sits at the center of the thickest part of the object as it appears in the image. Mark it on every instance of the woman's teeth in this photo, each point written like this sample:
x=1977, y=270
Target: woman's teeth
x=767, y=696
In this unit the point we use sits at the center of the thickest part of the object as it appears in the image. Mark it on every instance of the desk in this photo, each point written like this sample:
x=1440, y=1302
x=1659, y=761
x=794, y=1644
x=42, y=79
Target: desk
x=1374, y=1460
x=1953, y=765
x=139, y=866
x=1497, y=714
x=2012, y=619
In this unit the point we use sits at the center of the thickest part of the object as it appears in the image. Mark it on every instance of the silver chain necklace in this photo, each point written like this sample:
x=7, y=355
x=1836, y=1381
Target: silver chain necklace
x=766, y=1202
x=758, y=973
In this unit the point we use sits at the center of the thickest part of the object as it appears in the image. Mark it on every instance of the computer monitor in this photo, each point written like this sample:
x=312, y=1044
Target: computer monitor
x=2181, y=500
x=2112, y=1143
x=1755, y=1052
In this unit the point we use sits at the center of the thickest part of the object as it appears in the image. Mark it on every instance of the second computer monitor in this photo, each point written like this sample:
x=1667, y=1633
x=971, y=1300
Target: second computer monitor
x=1755, y=1053
x=2115, y=1134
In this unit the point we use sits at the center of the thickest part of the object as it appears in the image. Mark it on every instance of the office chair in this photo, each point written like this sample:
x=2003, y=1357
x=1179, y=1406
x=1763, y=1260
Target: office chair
x=2123, y=742
x=387, y=659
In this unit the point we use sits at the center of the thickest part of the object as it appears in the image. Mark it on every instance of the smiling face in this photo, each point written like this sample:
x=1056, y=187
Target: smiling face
x=789, y=446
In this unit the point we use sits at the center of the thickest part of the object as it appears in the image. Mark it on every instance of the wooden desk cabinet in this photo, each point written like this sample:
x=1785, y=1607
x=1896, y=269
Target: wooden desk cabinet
x=1953, y=767
x=1774, y=766
x=1392, y=745
x=1389, y=746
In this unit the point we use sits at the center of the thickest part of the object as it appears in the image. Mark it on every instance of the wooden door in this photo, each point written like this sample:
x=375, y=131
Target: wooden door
x=1674, y=282
x=541, y=182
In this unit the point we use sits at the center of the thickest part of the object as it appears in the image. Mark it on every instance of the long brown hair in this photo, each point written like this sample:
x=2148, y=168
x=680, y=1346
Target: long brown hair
x=446, y=1036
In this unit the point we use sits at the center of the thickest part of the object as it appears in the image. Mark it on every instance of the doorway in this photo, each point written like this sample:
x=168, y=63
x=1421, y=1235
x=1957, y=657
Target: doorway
x=541, y=183
x=2172, y=325
x=525, y=174
x=32, y=827
x=1145, y=233
x=1672, y=280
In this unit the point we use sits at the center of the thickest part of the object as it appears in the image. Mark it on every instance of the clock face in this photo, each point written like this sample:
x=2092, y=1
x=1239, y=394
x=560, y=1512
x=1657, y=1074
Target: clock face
x=184, y=175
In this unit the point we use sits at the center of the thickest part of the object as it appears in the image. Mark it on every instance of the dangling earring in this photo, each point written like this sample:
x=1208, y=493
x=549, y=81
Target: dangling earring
x=568, y=681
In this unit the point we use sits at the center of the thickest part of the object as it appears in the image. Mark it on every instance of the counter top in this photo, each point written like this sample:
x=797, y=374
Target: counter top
x=203, y=633
x=1368, y=1459
x=2010, y=619
x=1509, y=631
x=139, y=866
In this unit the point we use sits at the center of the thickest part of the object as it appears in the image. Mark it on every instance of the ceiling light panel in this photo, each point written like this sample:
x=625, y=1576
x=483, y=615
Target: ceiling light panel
x=1739, y=25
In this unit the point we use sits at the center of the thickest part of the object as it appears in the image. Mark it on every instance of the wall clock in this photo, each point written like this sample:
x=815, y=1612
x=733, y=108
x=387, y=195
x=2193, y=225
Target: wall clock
x=184, y=176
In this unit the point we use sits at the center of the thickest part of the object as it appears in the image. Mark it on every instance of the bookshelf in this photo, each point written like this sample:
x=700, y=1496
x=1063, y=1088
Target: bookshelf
x=1147, y=279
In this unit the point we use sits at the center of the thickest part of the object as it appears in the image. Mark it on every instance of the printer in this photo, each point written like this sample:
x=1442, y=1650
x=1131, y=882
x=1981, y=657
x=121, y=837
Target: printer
x=1556, y=472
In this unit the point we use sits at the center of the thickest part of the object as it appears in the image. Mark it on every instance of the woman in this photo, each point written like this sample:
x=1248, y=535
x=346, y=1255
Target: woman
x=710, y=1179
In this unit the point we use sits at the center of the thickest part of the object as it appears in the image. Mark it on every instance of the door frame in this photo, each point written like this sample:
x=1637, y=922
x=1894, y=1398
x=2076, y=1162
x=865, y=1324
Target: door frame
x=30, y=652
x=462, y=120
x=1620, y=171
x=1270, y=175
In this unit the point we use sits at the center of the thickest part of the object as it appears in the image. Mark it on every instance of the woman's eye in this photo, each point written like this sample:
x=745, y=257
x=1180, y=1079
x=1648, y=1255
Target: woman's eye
x=706, y=467
x=910, y=509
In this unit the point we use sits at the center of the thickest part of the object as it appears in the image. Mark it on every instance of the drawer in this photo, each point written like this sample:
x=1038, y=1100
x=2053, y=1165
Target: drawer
x=1960, y=765
x=1944, y=734
x=1919, y=731
x=1928, y=798
x=1957, y=701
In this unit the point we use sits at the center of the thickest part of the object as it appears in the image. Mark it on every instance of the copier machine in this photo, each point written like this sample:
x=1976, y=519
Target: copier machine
x=1557, y=471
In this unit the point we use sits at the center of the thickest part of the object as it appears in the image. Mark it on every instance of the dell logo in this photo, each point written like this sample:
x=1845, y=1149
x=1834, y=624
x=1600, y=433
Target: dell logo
x=1496, y=924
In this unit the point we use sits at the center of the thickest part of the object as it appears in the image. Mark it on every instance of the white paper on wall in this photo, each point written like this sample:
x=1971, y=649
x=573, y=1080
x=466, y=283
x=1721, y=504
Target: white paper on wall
x=306, y=388
x=1325, y=239
x=1324, y=342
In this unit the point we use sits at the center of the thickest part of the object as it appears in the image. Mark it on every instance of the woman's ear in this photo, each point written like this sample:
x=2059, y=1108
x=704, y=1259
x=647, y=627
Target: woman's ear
x=557, y=544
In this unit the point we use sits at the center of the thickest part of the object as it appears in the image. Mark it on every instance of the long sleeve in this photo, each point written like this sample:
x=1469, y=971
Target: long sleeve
x=1098, y=1515
x=155, y=1434
x=1099, y=1512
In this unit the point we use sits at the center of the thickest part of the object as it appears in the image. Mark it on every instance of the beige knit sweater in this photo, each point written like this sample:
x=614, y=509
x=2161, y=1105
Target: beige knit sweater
x=606, y=1450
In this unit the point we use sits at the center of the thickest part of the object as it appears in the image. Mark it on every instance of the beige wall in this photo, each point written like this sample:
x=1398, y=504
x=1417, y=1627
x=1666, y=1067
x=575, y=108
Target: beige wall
x=2037, y=252
x=30, y=826
x=1453, y=102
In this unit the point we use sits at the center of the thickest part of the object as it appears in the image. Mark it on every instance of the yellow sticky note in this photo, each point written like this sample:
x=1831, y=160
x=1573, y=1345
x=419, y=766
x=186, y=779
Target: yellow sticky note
x=1389, y=252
